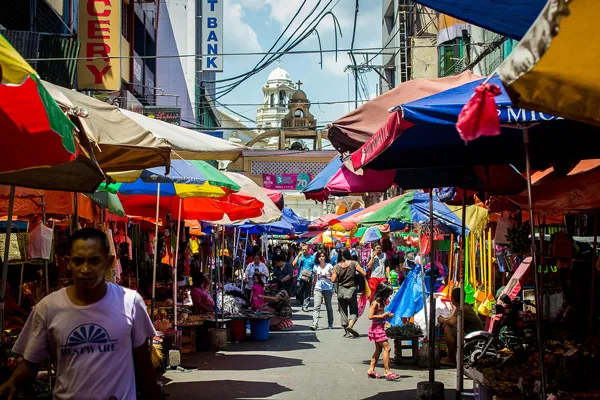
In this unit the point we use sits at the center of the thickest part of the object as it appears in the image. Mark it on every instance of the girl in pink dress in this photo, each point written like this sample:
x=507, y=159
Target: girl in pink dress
x=378, y=315
x=258, y=290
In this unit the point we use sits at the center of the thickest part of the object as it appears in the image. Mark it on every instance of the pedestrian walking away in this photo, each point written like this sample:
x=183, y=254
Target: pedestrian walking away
x=305, y=263
x=323, y=290
x=378, y=316
x=99, y=333
x=344, y=276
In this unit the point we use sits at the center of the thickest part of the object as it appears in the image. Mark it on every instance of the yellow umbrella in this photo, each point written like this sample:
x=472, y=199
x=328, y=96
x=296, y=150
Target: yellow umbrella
x=553, y=68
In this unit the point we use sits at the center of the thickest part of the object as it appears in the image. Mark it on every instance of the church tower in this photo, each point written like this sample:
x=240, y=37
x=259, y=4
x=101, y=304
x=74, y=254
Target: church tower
x=299, y=115
x=277, y=93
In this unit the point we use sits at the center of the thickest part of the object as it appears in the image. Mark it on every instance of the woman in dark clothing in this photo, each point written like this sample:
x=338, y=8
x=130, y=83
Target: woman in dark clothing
x=344, y=275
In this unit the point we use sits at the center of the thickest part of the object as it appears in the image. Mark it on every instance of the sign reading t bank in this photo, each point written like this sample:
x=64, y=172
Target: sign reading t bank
x=212, y=35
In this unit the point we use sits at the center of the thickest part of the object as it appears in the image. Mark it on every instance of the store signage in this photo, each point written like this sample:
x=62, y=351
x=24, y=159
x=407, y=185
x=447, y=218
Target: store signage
x=171, y=115
x=511, y=115
x=100, y=36
x=212, y=35
x=286, y=181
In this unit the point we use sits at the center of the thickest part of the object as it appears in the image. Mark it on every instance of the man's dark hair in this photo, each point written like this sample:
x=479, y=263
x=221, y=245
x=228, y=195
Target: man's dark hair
x=346, y=255
x=456, y=295
x=91, y=234
x=278, y=258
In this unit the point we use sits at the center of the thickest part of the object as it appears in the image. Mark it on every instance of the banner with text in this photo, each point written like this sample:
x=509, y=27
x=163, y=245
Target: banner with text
x=100, y=37
x=286, y=181
x=212, y=35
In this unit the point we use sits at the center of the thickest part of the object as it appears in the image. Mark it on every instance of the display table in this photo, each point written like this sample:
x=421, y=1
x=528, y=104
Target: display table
x=189, y=337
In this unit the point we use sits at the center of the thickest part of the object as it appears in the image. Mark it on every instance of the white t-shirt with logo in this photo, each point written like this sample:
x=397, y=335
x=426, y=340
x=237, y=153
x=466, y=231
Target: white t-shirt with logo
x=93, y=344
x=252, y=268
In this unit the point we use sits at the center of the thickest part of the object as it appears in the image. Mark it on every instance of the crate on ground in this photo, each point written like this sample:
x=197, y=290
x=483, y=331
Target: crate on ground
x=411, y=344
x=188, y=339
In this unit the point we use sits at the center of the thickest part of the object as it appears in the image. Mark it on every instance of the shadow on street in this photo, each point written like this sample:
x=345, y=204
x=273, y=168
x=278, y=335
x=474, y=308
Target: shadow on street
x=228, y=389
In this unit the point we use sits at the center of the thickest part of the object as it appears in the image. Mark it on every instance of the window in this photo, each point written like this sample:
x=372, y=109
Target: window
x=282, y=97
x=451, y=55
x=272, y=100
x=299, y=113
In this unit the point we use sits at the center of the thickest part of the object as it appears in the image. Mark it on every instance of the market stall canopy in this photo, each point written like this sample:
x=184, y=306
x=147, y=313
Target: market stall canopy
x=56, y=203
x=510, y=18
x=352, y=221
x=350, y=132
x=324, y=221
x=35, y=131
x=123, y=144
x=300, y=224
x=538, y=76
x=270, y=212
x=187, y=178
x=276, y=197
x=189, y=144
x=316, y=188
x=422, y=134
x=413, y=208
x=554, y=193
x=236, y=206
x=495, y=179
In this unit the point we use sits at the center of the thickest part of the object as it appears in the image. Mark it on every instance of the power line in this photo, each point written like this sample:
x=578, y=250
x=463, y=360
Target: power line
x=291, y=52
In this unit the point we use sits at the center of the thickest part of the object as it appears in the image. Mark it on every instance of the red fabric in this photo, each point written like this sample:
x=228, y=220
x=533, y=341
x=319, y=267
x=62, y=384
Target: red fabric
x=27, y=138
x=479, y=117
x=275, y=196
x=235, y=206
x=373, y=282
x=381, y=140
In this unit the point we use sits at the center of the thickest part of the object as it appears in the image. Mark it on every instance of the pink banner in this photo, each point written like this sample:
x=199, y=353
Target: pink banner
x=286, y=181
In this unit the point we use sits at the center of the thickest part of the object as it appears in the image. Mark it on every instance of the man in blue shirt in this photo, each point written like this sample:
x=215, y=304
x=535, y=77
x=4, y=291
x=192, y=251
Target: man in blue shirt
x=305, y=263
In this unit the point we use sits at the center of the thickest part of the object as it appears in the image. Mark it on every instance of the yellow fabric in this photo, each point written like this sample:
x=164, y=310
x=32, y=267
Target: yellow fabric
x=15, y=70
x=558, y=75
x=477, y=217
x=204, y=190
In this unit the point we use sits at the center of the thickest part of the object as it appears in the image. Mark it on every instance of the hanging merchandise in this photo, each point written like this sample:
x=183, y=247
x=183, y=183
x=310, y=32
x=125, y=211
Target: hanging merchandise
x=409, y=298
x=503, y=225
x=469, y=291
x=40, y=242
x=480, y=292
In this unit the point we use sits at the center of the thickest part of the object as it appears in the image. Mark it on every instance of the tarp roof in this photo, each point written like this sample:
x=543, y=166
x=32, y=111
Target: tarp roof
x=510, y=18
x=351, y=131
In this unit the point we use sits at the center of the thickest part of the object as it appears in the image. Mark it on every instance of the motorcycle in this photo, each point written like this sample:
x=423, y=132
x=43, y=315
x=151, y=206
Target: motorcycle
x=510, y=331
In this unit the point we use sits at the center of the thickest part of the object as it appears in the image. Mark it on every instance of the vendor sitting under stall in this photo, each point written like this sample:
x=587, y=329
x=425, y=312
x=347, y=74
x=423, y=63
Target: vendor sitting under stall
x=201, y=299
x=280, y=305
x=472, y=323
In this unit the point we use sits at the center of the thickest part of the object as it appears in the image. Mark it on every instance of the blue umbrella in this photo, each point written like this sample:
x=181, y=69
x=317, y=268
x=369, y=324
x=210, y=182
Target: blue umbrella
x=510, y=18
x=422, y=134
x=300, y=224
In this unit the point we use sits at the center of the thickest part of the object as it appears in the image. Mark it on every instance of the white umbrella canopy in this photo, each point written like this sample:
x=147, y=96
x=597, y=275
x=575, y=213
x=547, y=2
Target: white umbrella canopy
x=189, y=144
x=270, y=213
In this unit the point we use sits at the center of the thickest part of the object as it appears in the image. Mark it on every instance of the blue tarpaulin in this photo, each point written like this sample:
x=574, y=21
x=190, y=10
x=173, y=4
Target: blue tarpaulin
x=300, y=224
x=290, y=223
x=510, y=18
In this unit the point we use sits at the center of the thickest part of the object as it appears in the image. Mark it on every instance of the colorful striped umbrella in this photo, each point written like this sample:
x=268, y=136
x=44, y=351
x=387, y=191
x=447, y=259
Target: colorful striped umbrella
x=35, y=131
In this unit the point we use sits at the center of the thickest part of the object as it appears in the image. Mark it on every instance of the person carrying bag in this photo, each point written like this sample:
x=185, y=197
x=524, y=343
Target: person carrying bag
x=344, y=274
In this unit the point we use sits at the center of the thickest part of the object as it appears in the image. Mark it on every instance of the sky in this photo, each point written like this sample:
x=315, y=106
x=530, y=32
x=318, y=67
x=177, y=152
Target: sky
x=254, y=25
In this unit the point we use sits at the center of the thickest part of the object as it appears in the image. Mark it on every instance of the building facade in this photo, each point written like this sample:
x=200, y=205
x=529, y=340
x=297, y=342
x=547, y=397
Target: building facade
x=277, y=92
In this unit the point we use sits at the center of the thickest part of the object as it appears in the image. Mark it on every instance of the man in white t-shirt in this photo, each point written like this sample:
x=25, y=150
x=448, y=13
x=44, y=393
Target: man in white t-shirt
x=256, y=267
x=98, y=332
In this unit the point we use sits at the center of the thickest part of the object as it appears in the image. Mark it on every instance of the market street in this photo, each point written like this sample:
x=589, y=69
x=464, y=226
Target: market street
x=294, y=365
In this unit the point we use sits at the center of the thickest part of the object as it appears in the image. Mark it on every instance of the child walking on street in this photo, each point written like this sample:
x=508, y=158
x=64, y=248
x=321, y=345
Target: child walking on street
x=377, y=331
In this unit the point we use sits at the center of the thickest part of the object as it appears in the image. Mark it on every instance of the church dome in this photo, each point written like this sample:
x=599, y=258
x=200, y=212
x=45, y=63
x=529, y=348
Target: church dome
x=279, y=74
x=299, y=95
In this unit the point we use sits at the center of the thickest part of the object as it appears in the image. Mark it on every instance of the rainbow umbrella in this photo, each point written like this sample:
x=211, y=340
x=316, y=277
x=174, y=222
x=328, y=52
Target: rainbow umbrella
x=35, y=131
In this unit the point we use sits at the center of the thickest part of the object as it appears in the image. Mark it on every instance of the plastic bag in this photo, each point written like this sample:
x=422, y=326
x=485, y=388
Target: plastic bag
x=479, y=117
x=362, y=304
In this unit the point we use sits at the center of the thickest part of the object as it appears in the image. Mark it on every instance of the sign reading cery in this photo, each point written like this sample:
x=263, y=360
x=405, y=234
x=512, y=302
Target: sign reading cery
x=100, y=35
x=212, y=35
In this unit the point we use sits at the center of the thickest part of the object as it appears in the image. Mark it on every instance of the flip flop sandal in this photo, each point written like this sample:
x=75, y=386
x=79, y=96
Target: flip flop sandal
x=392, y=377
x=374, y=375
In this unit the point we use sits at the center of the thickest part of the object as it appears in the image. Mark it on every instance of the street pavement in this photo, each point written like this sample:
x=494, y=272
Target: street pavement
x=297, y=364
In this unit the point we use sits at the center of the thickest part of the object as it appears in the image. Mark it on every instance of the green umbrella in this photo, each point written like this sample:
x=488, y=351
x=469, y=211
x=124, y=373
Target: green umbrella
x=108, y=200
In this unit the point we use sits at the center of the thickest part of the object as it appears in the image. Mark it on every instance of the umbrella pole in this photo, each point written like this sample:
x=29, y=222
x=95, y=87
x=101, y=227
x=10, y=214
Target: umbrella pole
x=593, y=289
x=175, y=287
x=460, y=330
x=538, y=297
x=11, y=205
x=243, y=261
x=21, y=283
x=432, y=275
x=223, y=247
x=45, y=261
x=153, y=301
